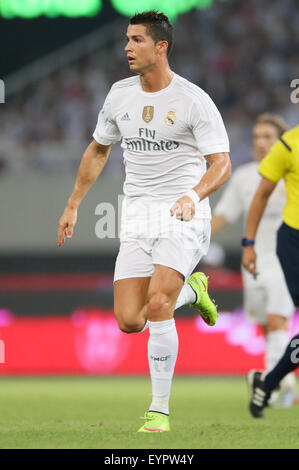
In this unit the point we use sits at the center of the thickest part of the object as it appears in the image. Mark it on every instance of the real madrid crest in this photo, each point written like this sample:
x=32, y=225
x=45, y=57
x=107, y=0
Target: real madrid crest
x=170, y=119
x=148, y=113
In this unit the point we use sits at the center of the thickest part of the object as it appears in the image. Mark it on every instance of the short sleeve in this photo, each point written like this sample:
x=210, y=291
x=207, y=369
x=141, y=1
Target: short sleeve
x=275, y=164
x=208, y=127
x=230, y=204
x=106, y=131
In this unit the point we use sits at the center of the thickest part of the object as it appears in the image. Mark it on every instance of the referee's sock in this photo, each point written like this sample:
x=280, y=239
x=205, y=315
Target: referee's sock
x=288, y=363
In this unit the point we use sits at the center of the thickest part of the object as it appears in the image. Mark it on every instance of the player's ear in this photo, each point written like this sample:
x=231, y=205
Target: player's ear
x=162, y=47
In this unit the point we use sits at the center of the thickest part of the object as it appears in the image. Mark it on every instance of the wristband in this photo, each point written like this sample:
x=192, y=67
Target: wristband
x=246, y=242
x=193, y=195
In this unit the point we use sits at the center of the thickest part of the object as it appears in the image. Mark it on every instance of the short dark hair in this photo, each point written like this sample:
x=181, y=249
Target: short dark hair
x=158, y=26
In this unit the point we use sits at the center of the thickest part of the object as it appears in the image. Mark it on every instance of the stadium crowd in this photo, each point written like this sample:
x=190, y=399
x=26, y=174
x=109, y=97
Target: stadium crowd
x=244, y=54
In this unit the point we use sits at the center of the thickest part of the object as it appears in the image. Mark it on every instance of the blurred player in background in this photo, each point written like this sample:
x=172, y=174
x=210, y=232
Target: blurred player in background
x=281, y=162
x=169, y=128
x=266, y=297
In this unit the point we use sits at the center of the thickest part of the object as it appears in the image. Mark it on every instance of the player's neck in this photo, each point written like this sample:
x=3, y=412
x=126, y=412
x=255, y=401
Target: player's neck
x=156, y=79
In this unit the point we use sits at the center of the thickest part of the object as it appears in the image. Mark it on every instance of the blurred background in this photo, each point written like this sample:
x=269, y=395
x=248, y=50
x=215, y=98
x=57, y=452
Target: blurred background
x=58, y=61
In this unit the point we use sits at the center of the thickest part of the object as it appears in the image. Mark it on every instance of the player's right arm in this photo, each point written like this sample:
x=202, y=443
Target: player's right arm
x=93, y=161
x=92, y=164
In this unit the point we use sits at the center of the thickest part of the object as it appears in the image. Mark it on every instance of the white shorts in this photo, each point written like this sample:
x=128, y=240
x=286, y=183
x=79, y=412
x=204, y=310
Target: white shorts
x=138, y=256
x=268, y=294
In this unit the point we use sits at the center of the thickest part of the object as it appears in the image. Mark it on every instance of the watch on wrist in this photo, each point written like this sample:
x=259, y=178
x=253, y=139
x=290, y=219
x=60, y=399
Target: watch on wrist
x=246, y=242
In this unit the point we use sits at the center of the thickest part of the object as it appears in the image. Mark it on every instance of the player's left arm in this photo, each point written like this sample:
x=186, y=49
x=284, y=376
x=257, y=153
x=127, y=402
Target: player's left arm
x=218, y=173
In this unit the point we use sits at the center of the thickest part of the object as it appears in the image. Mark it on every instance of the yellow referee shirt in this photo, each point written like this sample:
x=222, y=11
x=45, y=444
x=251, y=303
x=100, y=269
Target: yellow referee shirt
x=283, y=162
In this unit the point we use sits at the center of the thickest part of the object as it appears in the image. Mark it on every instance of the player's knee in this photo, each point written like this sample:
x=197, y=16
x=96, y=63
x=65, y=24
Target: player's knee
x=158, y=306
x=130, y=325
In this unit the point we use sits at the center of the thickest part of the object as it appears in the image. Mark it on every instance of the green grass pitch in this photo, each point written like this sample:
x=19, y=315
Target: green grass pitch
x=103, y=413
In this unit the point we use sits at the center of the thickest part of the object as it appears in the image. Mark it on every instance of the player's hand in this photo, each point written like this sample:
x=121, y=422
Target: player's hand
x=183, y=209
x=249, y=259
x=66, y=225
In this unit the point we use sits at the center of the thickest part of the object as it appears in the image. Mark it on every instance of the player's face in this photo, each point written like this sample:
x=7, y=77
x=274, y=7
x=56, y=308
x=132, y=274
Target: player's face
x=141, y=50
x=264, y=136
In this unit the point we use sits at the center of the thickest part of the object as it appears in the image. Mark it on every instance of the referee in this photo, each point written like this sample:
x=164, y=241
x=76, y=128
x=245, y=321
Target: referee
x=281, y=162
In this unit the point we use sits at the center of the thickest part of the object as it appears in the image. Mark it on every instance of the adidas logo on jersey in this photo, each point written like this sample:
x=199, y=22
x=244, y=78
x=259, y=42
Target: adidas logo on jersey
x=125, y=117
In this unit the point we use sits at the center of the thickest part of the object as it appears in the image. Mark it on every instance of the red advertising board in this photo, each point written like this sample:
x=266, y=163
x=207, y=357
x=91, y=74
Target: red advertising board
x=90, y=342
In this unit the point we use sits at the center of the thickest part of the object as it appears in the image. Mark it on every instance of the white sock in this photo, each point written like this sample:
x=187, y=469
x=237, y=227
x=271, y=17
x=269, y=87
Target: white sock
x=276, y=342
x=186, y=296
x=162, y=354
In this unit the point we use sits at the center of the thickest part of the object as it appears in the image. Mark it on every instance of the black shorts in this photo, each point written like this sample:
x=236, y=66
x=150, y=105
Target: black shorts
x=288, y=253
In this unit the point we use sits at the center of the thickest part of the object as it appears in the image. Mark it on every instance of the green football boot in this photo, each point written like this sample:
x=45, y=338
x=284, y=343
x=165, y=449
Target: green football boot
x=205, y=306
x=155, y=422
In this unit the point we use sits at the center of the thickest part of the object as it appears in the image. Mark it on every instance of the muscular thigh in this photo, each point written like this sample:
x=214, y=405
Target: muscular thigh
x=130, y=296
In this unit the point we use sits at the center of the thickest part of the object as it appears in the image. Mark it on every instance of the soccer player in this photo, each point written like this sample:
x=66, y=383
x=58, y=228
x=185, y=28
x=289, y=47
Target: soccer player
x=266, y=297
x=281, y=162
x=169, y=129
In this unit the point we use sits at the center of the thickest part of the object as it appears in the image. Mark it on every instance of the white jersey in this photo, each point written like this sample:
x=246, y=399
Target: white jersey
x=165, y=136
x=236, y=200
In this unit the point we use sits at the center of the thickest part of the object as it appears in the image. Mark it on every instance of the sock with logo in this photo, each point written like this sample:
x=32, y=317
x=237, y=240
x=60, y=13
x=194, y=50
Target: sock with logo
x=162, y=354
x=186, y=296
x=287, y=363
